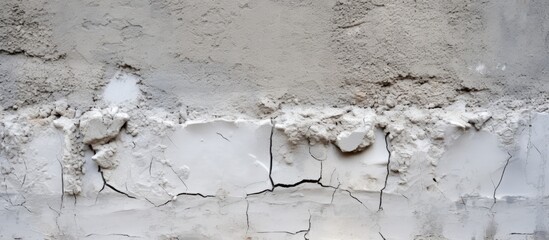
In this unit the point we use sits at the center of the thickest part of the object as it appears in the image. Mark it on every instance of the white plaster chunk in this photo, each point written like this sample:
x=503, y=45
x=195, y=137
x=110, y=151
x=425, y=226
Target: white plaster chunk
x=459, y=117
x=104, y=156
x=479, y=118
x=65, y=124
x=364, y=171
x=351, y=129
x=72, y=160
x=99, y=127
x=358, y=139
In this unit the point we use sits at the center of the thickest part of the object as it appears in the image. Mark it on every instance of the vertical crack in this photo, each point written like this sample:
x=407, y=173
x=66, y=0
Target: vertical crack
x=271, y=155
x=333, y=193
x=247, y=216
x=305, y=236
x=150, y=167
x=501, y=178
x=309, y=147
x=388, y=171
x=62, y=185
x=58, y=213
x=26, y=171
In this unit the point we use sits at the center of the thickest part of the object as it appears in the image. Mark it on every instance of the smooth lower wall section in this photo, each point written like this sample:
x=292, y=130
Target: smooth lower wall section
x=245, y=180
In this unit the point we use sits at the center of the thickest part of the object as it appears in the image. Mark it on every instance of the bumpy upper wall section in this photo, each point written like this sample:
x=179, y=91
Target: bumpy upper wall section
x=290, y=119
x=250, y=57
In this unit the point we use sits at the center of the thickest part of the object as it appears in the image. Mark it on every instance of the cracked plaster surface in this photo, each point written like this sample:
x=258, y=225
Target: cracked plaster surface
x=239, y=189
x=273, y=119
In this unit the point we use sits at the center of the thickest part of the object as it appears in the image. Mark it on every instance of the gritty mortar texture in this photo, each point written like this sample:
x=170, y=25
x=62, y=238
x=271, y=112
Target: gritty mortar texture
x=291, y=119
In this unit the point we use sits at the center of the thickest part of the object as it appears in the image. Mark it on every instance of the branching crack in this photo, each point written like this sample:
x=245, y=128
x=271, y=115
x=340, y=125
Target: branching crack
x=501, y=178
x=333, y=193
x=306, y=231
x=387, y=175
x=317, y=181
x=10, y=201
x=105, y=183
x=58, y=213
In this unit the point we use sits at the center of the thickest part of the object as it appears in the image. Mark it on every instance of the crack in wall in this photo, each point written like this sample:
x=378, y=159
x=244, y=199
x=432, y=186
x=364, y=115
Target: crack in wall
x=221, y=135
x=523, y=234
x=386, y=176
x=181, y=194
x=112, y=234
x=150, y=167
x=105, y=183
x=303, y=181
x=305, y=231
x=305, y=236
x=58, y=213
x=501, y=178
x=195, y=194
x=10, y=201
x=62, y=183
x=333, y=193
x=177, y=175
x=26, y=170
x=312, y=155
x=271, y=154
x=247, y=216
x=381, y=235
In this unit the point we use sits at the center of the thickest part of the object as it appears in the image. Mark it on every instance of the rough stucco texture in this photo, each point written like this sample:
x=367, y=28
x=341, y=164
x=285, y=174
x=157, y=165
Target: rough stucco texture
x=274, y=119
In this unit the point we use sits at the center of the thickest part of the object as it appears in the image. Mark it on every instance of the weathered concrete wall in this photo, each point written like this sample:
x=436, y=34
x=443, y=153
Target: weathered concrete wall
x=273, y=119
